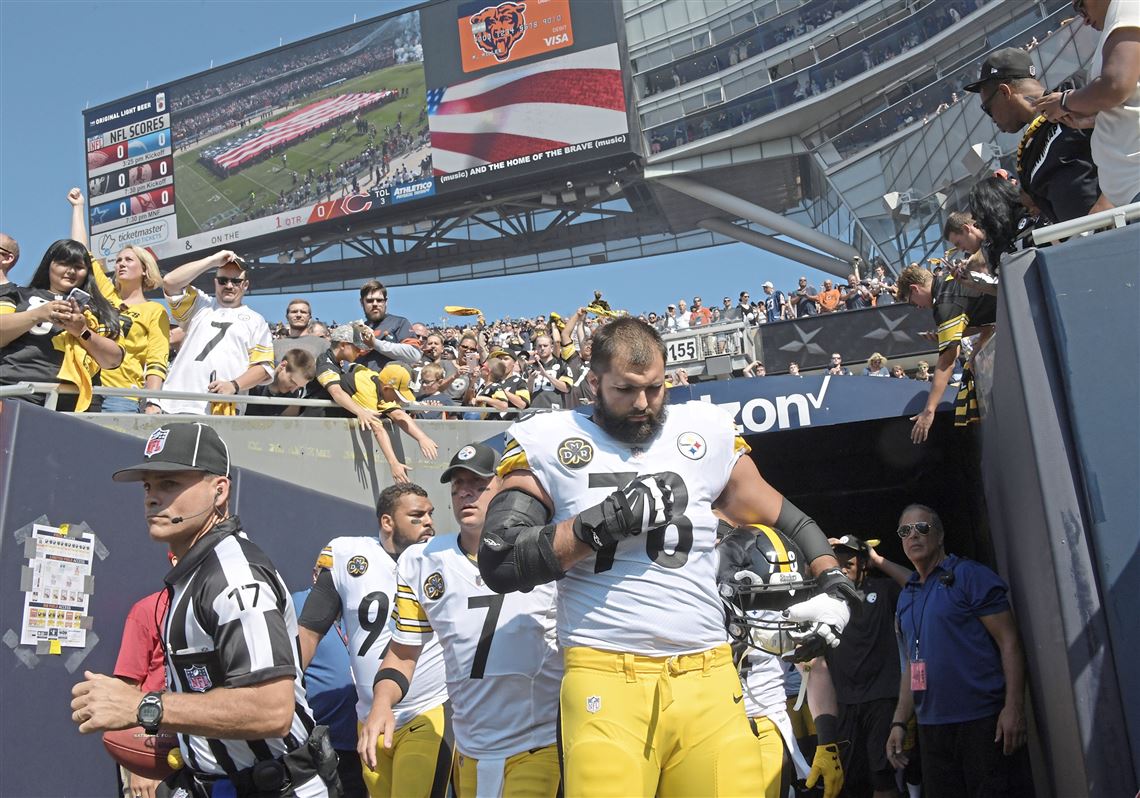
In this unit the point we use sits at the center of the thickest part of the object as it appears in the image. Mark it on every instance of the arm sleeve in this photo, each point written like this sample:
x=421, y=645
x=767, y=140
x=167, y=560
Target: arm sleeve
x=157, y=344
x=183, y=306
x=322, y=608
x=410, y=624
x=327, y=371
x=104, y=283
x=405, y=353
x=261, y=349
x=984, y=589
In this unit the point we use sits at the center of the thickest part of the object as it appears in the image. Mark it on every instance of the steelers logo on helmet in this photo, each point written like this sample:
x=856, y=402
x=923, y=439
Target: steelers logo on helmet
x=357, y=566
x=575, y=452
x=762, y=573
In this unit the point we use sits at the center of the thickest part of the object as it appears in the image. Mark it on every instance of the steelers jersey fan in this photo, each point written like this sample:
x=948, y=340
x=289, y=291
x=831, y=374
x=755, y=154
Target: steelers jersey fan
x=503, y=666
x=357, y=577
x=221, y=343
x=648, y=667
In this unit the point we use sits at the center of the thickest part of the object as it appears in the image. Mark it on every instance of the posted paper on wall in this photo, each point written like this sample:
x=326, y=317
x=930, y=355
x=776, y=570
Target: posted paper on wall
x=56, y=601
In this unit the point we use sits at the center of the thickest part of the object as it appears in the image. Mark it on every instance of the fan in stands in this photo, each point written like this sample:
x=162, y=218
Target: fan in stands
x=141, y=753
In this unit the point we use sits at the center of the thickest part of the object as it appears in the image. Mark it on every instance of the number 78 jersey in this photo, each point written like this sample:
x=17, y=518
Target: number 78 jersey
x=653, y=594
x=364, y=574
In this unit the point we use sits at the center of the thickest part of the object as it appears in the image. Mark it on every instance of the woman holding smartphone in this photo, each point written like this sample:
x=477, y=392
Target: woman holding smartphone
x=146, y=325
x=59, y=328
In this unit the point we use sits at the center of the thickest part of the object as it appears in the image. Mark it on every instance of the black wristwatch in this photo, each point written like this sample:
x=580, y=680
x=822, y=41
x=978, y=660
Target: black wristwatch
x=150, y=712
x=85, y=335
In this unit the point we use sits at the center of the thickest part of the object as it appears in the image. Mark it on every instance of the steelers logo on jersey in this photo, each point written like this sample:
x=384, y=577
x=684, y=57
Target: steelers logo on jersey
x=691, y=445
x=575, y=452
x=357, y=565
x=433, y=586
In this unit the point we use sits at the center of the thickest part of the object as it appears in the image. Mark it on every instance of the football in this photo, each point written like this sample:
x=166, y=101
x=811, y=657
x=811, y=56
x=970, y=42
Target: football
x=141, y=753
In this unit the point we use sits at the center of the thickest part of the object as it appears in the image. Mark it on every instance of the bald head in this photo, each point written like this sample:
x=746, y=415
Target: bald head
x=9, y=254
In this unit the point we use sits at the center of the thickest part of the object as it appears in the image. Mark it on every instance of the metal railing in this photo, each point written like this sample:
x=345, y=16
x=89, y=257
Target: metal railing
x=53, y=390
x=1113, y=217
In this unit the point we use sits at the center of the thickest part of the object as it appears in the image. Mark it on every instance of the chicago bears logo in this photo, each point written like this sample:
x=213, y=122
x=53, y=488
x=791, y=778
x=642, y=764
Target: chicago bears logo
x=497, y=29
x=575, y=452
x=433, y=586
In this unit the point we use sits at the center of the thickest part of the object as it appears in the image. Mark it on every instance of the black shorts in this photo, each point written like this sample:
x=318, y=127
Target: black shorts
x=961, y=760
x=866, y=727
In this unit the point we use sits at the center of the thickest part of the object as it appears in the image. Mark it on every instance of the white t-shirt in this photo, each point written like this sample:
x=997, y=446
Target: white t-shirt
x=220, y=344
x=364, y=574
x=504, y=667
x=652, y=594
x=1116, y=137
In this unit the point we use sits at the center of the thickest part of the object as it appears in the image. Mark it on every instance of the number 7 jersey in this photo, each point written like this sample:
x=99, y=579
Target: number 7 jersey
x=653, y=594
x=364, y=574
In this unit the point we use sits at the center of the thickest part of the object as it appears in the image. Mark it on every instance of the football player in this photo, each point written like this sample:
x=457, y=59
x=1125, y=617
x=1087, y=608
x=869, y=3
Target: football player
x=760, y=574
x=650, y=702
x=503, y=664
x=356, y=581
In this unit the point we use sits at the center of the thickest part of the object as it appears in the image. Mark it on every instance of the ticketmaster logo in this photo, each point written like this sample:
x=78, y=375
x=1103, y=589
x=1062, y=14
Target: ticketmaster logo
x=142, y=236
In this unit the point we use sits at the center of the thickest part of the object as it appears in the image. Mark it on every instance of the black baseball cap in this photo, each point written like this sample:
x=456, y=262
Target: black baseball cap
x=1009, y=63
x=478, y=458
x=188, y=446
x=857, y=545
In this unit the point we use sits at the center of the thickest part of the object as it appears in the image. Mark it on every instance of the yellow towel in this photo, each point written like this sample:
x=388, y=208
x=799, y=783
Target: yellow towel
x=459, y=310
x=78, y=367
x=223, y=409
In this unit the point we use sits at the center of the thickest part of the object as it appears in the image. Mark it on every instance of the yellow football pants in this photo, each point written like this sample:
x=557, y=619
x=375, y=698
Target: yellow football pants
x=528, y=774
x=771, y=744
x=418, y=765
x=664, y=726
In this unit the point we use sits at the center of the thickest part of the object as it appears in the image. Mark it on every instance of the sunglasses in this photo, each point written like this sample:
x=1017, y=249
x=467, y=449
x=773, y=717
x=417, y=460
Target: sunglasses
x=375, y=300
x=905, y=531
x=230, y=280
x=988, y=103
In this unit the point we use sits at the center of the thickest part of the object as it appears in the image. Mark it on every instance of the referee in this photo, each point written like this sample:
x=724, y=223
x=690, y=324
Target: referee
x=231, y=625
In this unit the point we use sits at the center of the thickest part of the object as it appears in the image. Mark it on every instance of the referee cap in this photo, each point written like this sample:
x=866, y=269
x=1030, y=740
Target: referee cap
x=188, y=446
x=478, y=458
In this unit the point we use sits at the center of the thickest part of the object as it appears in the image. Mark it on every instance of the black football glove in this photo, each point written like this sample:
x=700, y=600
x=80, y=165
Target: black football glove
x=644, y=504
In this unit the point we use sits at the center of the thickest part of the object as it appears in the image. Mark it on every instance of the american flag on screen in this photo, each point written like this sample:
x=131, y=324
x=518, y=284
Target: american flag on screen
x=565, y=100
x=297, y=124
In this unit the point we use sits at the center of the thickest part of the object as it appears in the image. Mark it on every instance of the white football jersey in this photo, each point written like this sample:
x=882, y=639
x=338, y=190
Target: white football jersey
x=762, y=681
x=504, y=667
x=220, y=344
x=652, y=594
x=364, y=574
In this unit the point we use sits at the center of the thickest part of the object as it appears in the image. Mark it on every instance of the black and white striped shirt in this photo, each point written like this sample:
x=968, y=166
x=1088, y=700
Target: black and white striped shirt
x=231, y=623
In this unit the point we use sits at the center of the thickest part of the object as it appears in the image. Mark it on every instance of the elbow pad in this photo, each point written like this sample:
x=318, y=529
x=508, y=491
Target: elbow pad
x=516, y=550
x=806, y=534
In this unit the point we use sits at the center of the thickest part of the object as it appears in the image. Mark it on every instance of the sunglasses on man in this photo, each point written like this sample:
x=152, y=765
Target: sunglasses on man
x=906, y=530
x=230, y=280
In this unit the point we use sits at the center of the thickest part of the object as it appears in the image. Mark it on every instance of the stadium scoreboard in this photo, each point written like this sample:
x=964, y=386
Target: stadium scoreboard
x=417, y=110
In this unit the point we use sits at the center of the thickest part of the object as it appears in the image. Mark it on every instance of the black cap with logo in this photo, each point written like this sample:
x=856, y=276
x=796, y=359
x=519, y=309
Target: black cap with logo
x=191, y=446
x=478, y=458
x=1009, y=63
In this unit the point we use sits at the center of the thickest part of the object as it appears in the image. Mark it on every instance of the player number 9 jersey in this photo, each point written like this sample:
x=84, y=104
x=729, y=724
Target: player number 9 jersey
x=652, y=594
x=364, y=574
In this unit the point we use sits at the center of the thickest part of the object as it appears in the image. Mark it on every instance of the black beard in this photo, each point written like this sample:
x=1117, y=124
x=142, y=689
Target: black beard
x=623, y=429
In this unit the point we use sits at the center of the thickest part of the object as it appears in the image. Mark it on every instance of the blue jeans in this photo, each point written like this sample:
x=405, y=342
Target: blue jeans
x=120, y=404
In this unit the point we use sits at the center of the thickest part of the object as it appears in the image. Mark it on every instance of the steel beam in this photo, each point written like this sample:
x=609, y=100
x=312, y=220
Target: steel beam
x=816, y=260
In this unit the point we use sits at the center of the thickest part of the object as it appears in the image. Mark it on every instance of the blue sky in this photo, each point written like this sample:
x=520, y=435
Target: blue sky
x=60, y=56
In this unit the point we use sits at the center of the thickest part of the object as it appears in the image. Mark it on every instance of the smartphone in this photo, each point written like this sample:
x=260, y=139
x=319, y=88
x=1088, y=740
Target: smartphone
x=472, y=360
x=81, y=297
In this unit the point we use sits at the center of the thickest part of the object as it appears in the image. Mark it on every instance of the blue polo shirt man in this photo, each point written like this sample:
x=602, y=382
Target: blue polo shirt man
x=963, y=673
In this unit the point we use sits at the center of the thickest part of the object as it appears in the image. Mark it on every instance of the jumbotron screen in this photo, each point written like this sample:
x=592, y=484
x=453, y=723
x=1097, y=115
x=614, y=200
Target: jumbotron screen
x=417, y=107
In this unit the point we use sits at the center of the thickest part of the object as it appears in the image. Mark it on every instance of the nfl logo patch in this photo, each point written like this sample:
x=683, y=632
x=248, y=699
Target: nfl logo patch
x=156, y=442
x=593, y=703
x=691, y=445
x=198, y=678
